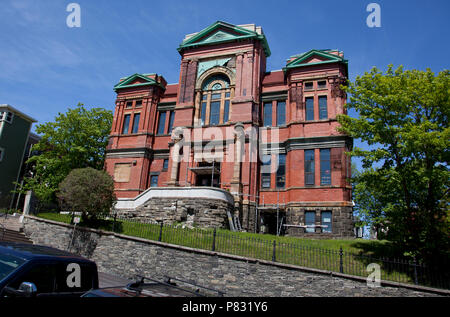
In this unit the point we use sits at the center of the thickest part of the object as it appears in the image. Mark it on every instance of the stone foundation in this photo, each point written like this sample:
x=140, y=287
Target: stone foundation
x=342, y=222
x=189, y=211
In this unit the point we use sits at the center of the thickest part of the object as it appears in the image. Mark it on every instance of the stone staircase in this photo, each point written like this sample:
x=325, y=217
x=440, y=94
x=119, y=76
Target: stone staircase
x=11, y=229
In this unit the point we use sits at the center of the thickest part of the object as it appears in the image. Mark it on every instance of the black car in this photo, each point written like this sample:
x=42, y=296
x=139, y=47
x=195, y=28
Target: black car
x=34, y=270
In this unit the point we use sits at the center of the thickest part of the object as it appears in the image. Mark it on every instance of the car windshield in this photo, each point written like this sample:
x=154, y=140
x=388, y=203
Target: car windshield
x=9, y=263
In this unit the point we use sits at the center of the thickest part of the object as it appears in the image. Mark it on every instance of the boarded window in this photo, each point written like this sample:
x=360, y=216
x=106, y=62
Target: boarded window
x=310, y=221
x=122, y=172
x=326, y=221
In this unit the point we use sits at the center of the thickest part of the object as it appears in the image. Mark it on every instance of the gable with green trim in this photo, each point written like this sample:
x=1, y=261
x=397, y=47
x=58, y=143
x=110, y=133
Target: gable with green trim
x=222, y=32
x=136, y=80
x=313, y=57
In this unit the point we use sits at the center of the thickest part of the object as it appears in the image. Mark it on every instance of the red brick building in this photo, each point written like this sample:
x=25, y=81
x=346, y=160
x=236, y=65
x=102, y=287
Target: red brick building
x=267, y=139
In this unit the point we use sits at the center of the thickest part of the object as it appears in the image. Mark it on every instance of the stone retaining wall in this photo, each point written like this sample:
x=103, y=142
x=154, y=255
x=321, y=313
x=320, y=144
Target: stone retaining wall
x=236, y=276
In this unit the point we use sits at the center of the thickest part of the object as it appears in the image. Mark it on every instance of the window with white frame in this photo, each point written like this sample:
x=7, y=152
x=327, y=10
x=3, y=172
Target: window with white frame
x=6, y=116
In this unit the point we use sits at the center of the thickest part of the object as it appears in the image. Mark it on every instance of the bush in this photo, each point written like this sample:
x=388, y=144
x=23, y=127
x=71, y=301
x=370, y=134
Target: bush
x=87, y=190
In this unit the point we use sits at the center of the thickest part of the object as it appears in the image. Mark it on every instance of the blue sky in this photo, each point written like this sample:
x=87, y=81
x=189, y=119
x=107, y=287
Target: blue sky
x=47, y=67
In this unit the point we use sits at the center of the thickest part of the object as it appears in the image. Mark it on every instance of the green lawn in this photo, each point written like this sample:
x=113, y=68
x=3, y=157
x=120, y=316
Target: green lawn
x=320, y=254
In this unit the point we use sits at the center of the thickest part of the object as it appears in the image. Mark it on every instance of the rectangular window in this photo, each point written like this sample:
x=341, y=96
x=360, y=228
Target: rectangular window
x=326, y=221
x=226, y=111
x=323, y=109
x=126, y=124
x=154, y=181
x=265, y=171
x=171, y=118
x=138, y=104
x=309, y=108
x=216, y=96
x=214, y=114
x=267, y=114
x=6, y=116
x=309, y=86
x=321, y=84
x=166, y=164
x=129, y=104
x=281, y=171
x=281, y=113
x=310, y=221
x=325, y=167
x=203, y=113
x=309, y=167
x=161, y=122
x=136, y=118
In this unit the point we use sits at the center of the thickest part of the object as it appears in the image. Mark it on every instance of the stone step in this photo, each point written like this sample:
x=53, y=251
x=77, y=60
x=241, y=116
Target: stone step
x=13, y=236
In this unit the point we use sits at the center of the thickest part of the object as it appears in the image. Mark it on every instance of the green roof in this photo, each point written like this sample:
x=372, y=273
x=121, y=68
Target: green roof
x=222, y=32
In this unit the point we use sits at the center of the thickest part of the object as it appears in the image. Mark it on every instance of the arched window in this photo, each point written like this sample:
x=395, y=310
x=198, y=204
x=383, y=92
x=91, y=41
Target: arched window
x=215, y=100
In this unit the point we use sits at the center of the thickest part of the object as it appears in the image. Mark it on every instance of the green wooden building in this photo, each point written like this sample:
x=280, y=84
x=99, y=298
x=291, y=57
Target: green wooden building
x=15, y=129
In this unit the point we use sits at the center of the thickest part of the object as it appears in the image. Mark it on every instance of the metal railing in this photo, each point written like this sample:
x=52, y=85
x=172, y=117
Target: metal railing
x=402, y=270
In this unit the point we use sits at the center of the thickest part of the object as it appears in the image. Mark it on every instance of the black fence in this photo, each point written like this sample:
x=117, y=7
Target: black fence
x=402, y=270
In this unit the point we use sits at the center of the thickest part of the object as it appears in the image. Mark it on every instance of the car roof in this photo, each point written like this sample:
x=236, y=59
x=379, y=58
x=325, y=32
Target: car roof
x=149, y=290
x=32, y=251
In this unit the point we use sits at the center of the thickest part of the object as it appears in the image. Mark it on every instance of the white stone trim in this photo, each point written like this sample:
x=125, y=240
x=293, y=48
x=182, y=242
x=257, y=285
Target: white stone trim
x=174, y=192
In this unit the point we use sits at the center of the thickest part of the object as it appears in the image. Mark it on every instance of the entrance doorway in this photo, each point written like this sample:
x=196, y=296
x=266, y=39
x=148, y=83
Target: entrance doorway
x=207, y=174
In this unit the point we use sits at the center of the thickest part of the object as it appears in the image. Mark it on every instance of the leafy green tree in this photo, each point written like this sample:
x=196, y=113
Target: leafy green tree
x=76, y=139
x=87, y=190
x=403, y=117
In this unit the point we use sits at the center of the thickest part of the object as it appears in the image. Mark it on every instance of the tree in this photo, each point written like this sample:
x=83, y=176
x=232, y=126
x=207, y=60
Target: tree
x=87, y=190
x=76, y=139
x=403, y=117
